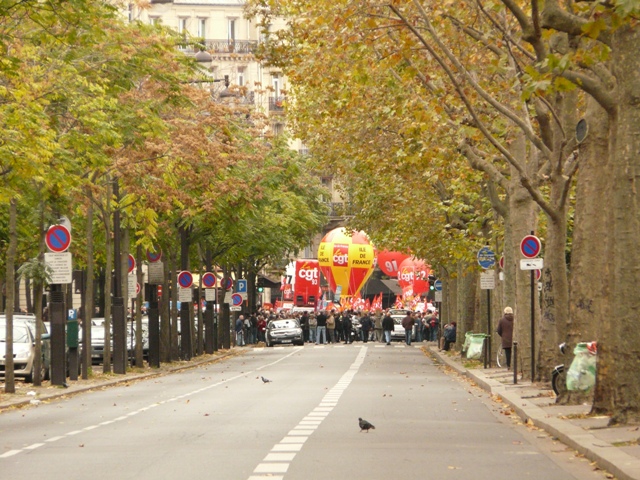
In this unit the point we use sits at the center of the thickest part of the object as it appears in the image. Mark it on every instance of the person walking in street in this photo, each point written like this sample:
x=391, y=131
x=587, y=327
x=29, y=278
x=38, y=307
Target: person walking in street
x=331, y=326
x=346, y=327
x=377, y=325
x=434, y=325
x=240, y=331
x=321, y=329
x=304, y=324
x=313, y=326
x=505, y=330
x=407, y=324
x=367, y=325
x=387, y=327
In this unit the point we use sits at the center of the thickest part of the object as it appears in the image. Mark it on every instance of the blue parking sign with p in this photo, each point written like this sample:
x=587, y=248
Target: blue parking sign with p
x=241, y=286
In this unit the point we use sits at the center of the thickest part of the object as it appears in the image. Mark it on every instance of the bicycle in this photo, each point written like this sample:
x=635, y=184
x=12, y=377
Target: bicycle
x=501, y=358
x=559, y=375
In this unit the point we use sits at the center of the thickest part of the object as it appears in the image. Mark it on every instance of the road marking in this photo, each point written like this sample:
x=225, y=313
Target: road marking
x=11, y=453
x=292, y=443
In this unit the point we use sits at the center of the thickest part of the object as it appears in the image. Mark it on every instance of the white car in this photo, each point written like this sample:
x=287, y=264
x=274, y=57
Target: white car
x=24, y=351
x=398, y=330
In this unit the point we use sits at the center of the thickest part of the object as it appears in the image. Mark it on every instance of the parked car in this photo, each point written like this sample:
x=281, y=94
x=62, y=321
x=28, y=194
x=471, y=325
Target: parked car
x=24, y=350
x=283, y=331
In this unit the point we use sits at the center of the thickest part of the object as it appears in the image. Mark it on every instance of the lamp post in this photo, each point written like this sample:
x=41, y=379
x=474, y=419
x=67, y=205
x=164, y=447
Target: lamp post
x=117, y=304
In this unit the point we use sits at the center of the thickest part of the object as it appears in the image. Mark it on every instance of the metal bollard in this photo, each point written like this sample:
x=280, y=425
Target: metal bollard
x=514, y=362
x=486, y=351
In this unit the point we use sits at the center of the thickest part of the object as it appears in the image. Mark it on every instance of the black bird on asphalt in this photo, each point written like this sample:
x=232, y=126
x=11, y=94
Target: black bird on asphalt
x=265, y=380
x=364, y=425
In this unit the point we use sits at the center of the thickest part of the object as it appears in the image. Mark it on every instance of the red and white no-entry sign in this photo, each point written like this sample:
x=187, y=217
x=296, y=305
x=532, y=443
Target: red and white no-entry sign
x=58, y=238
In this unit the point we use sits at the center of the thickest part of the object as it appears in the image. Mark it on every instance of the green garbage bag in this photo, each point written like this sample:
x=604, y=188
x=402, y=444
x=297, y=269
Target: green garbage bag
x=476, y=341
x=581, y=375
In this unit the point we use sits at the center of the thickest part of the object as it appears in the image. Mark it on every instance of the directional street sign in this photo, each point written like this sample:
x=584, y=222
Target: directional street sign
x=185, y=279
x=530, y=246
x=532, y=264
x=437, y=285
x=58, y=238
x=486, y=258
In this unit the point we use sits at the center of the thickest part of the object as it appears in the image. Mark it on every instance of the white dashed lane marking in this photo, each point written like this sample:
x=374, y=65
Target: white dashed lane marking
x=278, y=463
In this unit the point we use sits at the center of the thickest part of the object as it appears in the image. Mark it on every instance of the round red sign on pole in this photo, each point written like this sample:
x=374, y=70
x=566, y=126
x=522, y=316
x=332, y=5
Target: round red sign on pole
x=227, y=283
x=501, y=262
x=185, y=279
x=58, y=238
x=132, y=263
x=236, y=299
x=154, y=257
x=530, y=246
x=208, y=280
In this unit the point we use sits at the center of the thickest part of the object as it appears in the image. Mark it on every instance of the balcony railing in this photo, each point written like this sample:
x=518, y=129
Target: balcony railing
x=243, y=47
x=276, y=104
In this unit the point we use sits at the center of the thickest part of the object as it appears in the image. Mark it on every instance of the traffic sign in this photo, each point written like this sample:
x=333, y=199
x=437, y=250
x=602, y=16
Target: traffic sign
x=227, y=283
x=437, y=285
x=530, y=246
x=58, y=238
x=154, y=257
x=185, y=279
x=132, y=263
x=501, y=262
x=486, y=258
x=531, y=264
x=488, y=280
x=236, y=299
x=209, y=280
x=241, y=285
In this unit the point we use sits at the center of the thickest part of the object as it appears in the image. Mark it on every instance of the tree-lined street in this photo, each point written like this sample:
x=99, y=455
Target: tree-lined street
x=222, y=421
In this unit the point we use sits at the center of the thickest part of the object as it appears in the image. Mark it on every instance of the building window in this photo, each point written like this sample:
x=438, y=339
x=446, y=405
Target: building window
x=275, y=83
x=278, y=128
x=232, y=30
x=182, y=25
x=154, y=20
x=202, y=28
x=241, y=77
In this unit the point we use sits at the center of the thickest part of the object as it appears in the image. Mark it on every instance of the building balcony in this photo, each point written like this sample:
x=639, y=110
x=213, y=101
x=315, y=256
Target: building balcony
x=276, y=104
x=225, y=47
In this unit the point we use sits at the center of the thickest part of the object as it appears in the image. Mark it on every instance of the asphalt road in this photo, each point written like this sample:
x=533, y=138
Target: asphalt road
x=221, y=421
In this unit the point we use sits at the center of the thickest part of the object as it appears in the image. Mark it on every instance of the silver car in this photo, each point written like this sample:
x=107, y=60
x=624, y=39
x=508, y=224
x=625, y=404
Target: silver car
x=24, y=351
x=284, y=331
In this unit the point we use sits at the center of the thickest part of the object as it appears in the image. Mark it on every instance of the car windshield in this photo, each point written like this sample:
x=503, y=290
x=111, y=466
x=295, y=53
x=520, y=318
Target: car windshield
x=20, y=333
x=289, y=323
x=398, y=312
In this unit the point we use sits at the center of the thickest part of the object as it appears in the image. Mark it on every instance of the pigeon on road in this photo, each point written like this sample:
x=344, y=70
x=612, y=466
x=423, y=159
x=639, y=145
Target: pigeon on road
x=364, y=425
x=265, y=380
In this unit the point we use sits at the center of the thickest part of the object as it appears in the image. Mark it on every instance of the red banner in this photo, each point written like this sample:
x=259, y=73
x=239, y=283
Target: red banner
x=307, y=283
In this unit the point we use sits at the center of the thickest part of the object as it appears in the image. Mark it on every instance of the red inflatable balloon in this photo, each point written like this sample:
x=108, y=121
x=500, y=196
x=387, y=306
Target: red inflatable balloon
x=414, y=273
x=389, y=262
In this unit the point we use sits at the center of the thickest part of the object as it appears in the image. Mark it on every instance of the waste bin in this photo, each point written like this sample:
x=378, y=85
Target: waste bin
x=474, y=343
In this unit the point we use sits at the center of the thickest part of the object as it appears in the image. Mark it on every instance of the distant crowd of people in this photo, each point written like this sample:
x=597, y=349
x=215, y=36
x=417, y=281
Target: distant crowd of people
x=332, y=326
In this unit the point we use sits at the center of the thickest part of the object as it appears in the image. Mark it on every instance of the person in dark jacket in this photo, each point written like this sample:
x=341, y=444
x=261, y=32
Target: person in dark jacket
x=505, y=330
x=387, y=327
x=450, y=331
x=367, y=325
x=346, y=327
x=407, y=324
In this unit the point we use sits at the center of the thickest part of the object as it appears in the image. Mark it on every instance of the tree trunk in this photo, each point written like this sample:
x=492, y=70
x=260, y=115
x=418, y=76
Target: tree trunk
x=108, y=284
x=9, y=378
x=619, y=348
x=88, y=291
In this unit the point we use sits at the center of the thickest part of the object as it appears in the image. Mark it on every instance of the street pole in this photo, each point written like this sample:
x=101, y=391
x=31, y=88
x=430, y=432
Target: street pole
x=57, y=320
x=185, y=307
x=533, y=330
x=488, y=329
x=117, y=304
x=154, y=326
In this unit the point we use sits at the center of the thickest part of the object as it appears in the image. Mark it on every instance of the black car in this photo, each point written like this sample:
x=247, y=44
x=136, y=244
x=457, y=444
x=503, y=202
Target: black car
x=284, y=331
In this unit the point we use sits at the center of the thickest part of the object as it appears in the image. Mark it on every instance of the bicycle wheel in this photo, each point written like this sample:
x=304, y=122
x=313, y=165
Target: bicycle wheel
x=500, y=358
x=559, y=380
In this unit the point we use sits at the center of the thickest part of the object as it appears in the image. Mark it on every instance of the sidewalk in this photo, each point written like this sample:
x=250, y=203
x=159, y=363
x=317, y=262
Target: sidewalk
x=27, y=394
x=615, y=449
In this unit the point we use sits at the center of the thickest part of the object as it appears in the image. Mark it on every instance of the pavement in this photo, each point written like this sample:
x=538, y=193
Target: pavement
x=614, y=449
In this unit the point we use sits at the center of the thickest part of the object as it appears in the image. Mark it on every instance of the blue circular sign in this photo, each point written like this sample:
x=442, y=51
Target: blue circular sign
x=236, y=299
x=437, y=285
x=486, y=258
x=209, y=280
x=58, y=238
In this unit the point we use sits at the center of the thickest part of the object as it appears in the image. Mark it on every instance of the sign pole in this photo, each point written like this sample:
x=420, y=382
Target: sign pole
x=488, y=363
x=533, y=330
